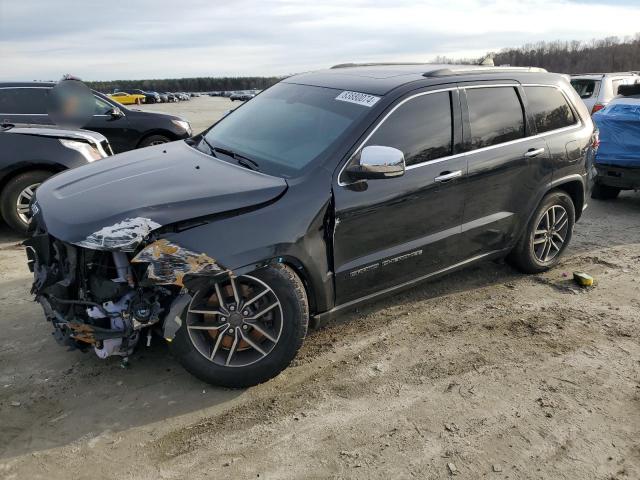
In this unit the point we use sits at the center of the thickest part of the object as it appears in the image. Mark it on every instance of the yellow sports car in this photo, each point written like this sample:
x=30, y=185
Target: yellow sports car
x=127, y=98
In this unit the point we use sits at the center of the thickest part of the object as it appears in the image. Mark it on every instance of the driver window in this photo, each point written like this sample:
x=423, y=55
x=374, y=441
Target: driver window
x=422, y=128
x=102, y=107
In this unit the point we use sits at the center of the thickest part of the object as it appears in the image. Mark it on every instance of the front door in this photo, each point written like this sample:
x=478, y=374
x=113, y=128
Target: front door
x=115, y=128
x=390, y=231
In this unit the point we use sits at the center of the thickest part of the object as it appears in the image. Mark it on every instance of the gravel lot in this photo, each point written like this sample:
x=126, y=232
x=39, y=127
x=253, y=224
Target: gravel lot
x=202, y=112
x=487, y=372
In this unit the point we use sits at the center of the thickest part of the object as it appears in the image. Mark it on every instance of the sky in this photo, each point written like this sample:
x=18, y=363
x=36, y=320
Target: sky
x=136, y=39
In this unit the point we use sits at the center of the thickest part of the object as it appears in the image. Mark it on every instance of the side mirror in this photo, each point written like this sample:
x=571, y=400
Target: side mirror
x=115, y=112
x=378, y=162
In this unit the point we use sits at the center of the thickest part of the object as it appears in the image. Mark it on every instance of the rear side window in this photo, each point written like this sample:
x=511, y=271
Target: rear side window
x=422, y=128
x=495, y=116
x=615, y=84
x=585, y=88
x=549, y=108
x=23, y=100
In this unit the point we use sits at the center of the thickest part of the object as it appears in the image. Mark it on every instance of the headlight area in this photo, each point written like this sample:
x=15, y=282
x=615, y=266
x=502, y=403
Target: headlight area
x=88, y=151
x=107, y=299
x=183, y=125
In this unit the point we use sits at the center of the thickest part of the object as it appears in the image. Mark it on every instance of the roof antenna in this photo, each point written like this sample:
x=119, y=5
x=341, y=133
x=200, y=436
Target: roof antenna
x=68, y=76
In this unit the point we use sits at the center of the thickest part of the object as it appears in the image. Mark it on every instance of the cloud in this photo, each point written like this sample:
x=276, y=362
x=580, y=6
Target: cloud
x=42, y=39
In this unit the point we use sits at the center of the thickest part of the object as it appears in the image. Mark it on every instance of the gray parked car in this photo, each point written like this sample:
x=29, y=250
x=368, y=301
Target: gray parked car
x=597, y=89
x=29, y=154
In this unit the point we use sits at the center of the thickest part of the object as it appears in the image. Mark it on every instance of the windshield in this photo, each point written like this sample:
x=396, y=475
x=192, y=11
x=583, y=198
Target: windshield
x=286, y=127
x=584, y=87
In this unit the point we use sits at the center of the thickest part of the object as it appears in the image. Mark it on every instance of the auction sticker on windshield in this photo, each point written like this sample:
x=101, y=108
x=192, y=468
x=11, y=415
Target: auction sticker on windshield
x=359, y=98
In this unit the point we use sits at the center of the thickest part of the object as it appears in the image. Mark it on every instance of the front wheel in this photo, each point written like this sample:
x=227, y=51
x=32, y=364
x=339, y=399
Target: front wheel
x=16, y=197
x=547, y=235
x=244, y=330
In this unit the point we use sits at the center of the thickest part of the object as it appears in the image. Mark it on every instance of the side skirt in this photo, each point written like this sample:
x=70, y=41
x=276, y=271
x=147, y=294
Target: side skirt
x=321, y=318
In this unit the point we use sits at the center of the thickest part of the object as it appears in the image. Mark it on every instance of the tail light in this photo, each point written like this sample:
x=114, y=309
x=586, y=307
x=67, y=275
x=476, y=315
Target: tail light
x=595, y=139
x=597, y=107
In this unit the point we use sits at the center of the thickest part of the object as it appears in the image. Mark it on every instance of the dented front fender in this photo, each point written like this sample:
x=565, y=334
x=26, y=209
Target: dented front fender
x=169, y=263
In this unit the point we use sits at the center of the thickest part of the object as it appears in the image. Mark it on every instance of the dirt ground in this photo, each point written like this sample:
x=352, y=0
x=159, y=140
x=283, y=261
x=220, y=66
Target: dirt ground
x=486, y=373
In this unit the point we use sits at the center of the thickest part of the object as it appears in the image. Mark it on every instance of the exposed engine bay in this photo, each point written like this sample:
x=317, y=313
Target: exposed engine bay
x=108, y=300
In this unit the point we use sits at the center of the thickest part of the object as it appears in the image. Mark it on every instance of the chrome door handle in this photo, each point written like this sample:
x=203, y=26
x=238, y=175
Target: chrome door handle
x=534, y=152
x=446, y=176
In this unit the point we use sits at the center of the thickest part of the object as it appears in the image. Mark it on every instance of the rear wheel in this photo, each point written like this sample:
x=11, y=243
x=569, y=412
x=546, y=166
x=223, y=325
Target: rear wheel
x=604, y=192
x=547, y=235
x=244, y=330
x=16, y=196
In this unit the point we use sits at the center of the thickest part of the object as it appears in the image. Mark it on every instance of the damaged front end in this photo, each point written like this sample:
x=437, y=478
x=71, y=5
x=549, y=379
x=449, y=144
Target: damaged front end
x=114, y=287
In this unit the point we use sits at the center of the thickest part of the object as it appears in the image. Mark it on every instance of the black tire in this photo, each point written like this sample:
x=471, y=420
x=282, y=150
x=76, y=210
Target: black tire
x=290, y=292
x=11, y=192
x=153, y=140
x=604, y=192
x=523, y=256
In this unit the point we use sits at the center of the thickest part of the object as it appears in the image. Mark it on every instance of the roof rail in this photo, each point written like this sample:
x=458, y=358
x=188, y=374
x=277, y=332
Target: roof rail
x=475, y=69
x=378, y=64
x=603, y=74
x=447, y=71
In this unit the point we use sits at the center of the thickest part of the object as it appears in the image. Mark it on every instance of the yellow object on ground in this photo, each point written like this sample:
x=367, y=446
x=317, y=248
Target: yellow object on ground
x=583, y=279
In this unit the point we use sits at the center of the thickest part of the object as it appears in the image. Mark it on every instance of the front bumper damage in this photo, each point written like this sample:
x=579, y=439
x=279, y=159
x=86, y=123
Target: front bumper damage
x=108, y=299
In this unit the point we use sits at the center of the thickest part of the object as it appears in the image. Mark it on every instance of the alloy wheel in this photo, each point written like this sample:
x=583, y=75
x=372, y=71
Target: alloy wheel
x=236, y=322
x=22, y=203
x=550, y=233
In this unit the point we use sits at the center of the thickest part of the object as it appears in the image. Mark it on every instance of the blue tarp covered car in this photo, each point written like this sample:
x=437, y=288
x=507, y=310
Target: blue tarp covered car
x=618, y=157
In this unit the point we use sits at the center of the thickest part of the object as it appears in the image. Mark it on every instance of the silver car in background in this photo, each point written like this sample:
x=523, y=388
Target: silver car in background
x=597, y=89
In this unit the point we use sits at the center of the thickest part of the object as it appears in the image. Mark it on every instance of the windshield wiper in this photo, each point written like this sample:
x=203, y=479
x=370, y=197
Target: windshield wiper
x=207, y=144
x=241, y=159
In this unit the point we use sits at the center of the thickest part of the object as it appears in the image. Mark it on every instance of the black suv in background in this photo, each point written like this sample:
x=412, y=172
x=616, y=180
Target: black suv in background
x=327, y=190
x=125, y=128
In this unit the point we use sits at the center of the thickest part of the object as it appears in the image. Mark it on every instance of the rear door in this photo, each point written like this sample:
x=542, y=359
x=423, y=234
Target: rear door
x=552, y=116
x=24, y=105
x=394, y=230
x=507, y=165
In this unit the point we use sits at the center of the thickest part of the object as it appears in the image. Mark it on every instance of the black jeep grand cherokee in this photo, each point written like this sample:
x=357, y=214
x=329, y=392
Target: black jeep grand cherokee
x=326, y=190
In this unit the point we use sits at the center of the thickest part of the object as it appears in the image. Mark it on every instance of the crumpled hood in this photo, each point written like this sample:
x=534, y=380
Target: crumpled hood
x=141, y=190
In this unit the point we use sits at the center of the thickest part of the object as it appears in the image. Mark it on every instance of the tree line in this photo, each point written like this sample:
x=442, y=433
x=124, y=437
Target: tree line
x=611, y=54
x=198, y=84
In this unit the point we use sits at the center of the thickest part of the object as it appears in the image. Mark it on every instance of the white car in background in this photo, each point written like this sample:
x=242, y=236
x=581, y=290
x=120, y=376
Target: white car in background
x=597, y=89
